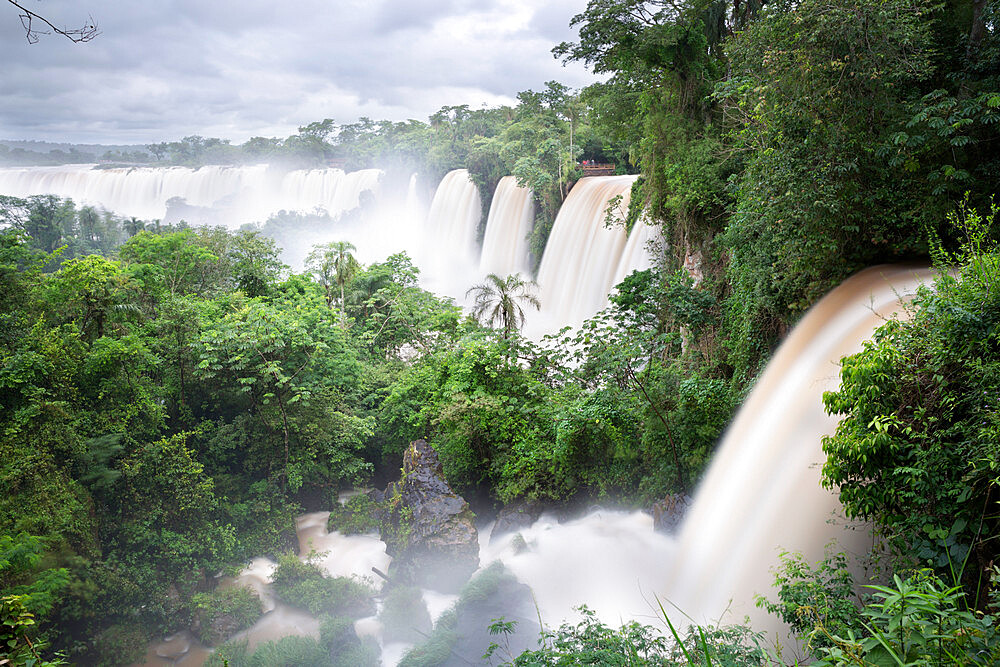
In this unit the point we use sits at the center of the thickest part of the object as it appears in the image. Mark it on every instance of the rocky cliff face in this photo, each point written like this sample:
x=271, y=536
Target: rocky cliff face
x=428, y=529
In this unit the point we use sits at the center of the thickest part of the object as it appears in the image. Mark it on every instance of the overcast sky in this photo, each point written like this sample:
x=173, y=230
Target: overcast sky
x=164, y=69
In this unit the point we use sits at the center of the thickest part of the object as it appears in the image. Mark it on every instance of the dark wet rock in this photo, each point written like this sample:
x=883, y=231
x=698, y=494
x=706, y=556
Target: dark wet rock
x=428, y=529
x=669, y=512
x=515, y=517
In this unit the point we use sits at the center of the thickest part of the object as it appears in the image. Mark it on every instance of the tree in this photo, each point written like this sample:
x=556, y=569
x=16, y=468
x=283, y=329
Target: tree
x=500, y=300
x=333, y=263
x=916, y=450
x=33, y=31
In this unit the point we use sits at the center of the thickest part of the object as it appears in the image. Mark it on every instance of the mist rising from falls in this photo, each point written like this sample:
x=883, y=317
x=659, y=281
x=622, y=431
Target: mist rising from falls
x=237, y=194
x=505, y=245
x=760, y=496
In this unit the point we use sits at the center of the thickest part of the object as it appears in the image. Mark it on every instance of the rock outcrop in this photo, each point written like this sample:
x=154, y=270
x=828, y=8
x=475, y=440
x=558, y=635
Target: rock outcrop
x=669, y=512
x=428, y=529
x=516, y=516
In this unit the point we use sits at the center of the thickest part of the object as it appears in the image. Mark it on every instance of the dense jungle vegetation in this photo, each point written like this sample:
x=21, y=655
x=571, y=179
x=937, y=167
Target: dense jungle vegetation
x=172, y=396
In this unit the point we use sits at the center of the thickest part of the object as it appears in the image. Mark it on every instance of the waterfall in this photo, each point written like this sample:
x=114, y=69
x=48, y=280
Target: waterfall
x=448, y=254
x=582, y=257
x=505, y=245
x=581, y=264
x=636, y=255
x=236, y=194
x=762, y=493
x=760, y=496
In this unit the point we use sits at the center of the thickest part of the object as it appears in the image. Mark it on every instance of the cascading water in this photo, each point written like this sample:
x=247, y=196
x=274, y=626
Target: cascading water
x=762, y=493
x=505, y=245
x=637, y=254
x=237, y=194
x=583, y=261
x=448, y=253
x=582, y=255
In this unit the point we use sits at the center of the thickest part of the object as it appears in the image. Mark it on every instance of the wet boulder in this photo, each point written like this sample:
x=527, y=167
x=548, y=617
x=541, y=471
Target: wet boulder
x=428, y=529
x=515, y=517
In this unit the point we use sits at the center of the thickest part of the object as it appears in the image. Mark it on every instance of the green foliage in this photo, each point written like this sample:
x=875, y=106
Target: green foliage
x=303, y=584
x=338, y=646
x=498, y=301
x=226, y=609
x=356, y=516
x=592, y=642
x=913, y=452
x=916, y=621
x=437, y=648
x=121, y=643
x=404, y=616
x=291, y=651
x=16, y=647
x=817, y=602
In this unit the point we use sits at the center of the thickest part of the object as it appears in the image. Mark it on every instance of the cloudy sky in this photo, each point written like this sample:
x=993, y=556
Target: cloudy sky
x=164, y=69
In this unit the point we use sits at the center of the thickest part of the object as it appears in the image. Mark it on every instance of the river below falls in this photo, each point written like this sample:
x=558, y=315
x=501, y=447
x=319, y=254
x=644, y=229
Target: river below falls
x=612, y=561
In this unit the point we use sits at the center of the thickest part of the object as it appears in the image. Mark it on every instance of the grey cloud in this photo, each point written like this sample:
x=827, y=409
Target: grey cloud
x=166, y=69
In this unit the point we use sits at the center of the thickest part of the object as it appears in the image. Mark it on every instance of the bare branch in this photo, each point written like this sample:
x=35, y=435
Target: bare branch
x=36, y=25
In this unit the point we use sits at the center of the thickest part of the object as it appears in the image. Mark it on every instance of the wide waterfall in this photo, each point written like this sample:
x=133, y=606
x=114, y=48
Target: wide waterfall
x=761, y=495
x=582, y=262
x=448, y=254
x=505, y=245
x=235, y=194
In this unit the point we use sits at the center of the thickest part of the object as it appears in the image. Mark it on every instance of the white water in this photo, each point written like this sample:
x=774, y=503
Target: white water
x=581, y=264
x=505, y=245
x=582, y=257
x=448, y=254
x=238, y=194
x=761, y=494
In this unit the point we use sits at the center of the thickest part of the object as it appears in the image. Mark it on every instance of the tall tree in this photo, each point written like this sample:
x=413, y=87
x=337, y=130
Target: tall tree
x=333, y=264
x=499, y=299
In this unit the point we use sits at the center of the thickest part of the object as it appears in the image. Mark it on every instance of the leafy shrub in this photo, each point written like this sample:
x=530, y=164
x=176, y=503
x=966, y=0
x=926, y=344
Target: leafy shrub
x=292, y=651
x=121, y=644
x=344, y=647
x=356, y=516
x=815, y=602
x=590, y=642
x=915, y=451
x=224, y=612
x=303, y=584
x=918, y=621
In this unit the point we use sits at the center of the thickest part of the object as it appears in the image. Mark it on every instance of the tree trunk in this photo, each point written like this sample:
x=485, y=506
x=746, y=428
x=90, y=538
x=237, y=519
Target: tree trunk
x=978, y=27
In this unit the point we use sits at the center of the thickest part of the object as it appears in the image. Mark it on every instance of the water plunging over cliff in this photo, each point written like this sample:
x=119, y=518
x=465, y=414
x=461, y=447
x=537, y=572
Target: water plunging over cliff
x=505, y=245
x=238, y=194
x=581, y=264
x=582, y=256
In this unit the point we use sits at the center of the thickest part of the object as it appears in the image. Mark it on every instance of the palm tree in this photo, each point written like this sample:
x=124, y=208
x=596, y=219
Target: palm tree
x=498, y=299
x=333, y=263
